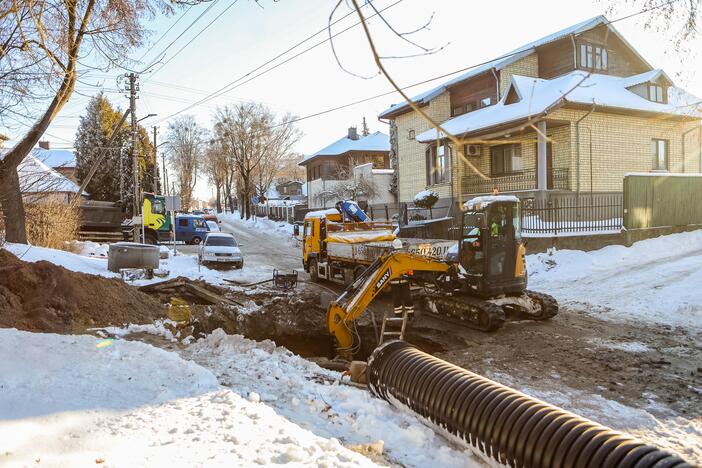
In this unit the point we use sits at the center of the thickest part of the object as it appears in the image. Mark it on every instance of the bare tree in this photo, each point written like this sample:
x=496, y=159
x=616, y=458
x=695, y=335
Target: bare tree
x=215, y=167
x=186, y=147
x=43, y=48
x=347, y=186
x=679, y=20
x=253, y=138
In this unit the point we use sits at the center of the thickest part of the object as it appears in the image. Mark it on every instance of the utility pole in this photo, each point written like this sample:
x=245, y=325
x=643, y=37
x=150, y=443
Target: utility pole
x=157, y=182
x=135, y=156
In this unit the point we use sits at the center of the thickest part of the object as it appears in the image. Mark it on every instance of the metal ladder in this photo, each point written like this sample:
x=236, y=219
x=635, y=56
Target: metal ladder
x=400, y=335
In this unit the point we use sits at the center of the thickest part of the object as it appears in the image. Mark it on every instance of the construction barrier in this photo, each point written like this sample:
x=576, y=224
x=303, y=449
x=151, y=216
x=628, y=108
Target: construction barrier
x=501, y=423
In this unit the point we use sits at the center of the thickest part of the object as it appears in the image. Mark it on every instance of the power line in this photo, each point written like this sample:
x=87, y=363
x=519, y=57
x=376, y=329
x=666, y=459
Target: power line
x=192, y=23
x=228, y=87
x=192, y=39
x=166, y=33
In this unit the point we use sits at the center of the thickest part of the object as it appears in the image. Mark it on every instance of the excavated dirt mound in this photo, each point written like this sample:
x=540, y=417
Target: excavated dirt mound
x=45, y=297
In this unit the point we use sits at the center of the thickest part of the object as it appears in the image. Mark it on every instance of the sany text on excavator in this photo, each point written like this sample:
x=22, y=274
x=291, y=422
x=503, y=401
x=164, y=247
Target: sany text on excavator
x=480, y=284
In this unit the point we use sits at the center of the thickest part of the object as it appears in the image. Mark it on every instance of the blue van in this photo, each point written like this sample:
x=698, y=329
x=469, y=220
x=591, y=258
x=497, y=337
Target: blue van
x=190, y=229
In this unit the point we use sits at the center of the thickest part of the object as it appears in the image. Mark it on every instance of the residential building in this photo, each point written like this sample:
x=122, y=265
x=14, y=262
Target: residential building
x=289, y=188
x=572, y=112
x=354, y=166
x=39, y=183
x=62, y=160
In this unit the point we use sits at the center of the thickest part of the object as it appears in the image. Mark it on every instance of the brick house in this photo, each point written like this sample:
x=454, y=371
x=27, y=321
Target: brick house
x=569, y=113
x=352, y=159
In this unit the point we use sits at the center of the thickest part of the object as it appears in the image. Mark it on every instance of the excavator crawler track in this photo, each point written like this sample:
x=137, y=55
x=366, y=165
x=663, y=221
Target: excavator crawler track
x=465, y=311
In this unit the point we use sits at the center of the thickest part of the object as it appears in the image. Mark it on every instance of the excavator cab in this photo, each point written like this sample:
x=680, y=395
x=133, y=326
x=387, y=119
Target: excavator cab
x=491, y=251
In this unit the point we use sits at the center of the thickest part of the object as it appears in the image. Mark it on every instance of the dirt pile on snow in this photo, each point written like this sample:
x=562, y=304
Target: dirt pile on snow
x=45, y=297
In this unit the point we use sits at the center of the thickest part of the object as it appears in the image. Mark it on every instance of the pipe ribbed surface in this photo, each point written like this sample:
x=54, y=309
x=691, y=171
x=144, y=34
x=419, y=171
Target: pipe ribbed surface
x=504, y=424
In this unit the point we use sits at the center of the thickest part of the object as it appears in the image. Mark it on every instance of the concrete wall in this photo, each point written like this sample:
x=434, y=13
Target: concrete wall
x=590, y=242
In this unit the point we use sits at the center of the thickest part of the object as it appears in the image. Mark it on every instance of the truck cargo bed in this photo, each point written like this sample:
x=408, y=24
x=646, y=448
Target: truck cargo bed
x=367, y=252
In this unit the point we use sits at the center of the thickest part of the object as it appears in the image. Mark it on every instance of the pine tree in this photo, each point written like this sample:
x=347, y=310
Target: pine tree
x=92, y=136
x=113, y=179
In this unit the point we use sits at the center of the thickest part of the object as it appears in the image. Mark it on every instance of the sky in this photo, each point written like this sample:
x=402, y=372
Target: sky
x=460, y=33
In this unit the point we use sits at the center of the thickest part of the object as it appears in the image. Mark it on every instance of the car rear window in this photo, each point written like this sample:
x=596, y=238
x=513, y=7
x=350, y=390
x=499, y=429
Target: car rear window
x=220, y=241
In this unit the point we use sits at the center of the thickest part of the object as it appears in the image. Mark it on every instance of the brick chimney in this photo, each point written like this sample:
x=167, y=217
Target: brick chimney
x=44, y=145
x=353, y=134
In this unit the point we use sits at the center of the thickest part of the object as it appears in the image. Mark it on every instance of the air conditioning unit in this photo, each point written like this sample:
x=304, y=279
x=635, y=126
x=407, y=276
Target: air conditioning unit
x=472, y=150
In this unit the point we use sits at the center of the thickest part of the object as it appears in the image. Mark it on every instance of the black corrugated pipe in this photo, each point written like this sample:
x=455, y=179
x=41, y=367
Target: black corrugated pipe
x=501, y=423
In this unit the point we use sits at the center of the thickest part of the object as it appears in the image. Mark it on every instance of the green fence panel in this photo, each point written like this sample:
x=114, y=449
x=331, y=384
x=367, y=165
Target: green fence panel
x=653, y=200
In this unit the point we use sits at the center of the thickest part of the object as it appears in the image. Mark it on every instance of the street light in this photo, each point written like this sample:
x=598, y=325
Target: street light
x=144, y=118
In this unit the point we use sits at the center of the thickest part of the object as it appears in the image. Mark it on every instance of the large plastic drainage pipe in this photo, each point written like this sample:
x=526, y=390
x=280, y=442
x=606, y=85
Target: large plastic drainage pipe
x=499, y=422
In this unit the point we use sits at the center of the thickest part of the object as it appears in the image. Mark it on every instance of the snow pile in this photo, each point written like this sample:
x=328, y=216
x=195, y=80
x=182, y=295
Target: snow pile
x=426, y=198
x=81, y=372
x=158, y=328
x=123, y=403
x=90, y=248
x=478, y=203
x=655, y=280
x=68, y=260
x=281, y=228
x=312, y=397
x=179, y=265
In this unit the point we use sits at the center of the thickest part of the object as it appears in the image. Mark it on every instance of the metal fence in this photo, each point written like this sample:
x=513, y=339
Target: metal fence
x=518, y=181
x=572, y=214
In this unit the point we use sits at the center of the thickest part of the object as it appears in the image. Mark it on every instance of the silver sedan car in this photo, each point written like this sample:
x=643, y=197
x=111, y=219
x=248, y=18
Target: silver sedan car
x=222, y=249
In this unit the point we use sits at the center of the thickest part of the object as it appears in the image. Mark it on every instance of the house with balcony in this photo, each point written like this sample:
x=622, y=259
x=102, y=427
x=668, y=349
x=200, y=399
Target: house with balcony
x=353, y=167
x=570, y=113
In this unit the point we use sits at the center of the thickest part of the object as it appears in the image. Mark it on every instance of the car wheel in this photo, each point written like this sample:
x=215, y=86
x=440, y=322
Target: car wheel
x=196, y=240
x=240, y=265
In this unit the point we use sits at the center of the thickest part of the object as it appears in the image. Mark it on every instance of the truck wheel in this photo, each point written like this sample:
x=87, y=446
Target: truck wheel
x=196, y=240
x=314, y=273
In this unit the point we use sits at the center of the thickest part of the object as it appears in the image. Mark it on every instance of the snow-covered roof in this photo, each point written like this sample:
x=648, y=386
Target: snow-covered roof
x=37, y=177
x=485, y=200
x=538, y=96
x=377, y=141
x=58, y=157
x=644, y=77
x=511, y=57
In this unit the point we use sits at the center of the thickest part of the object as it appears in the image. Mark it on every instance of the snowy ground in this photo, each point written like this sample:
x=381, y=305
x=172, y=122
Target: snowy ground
x=130, y=404
x=259, y=254
x=655, y=280
x=624, y=350
x=126, y=403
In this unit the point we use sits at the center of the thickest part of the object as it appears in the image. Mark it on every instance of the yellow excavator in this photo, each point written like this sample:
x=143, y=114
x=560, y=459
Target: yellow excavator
x=480, y=284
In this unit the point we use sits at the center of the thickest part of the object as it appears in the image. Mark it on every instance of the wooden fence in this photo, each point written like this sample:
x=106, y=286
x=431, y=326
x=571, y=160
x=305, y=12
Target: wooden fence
x=657, y=200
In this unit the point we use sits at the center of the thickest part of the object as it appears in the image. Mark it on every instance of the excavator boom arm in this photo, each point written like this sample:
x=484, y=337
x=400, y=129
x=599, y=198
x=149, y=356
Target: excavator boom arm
x=353, y=302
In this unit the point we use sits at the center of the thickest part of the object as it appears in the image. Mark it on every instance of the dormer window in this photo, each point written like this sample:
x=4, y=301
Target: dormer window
x=593, y=57
x=656, y=93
